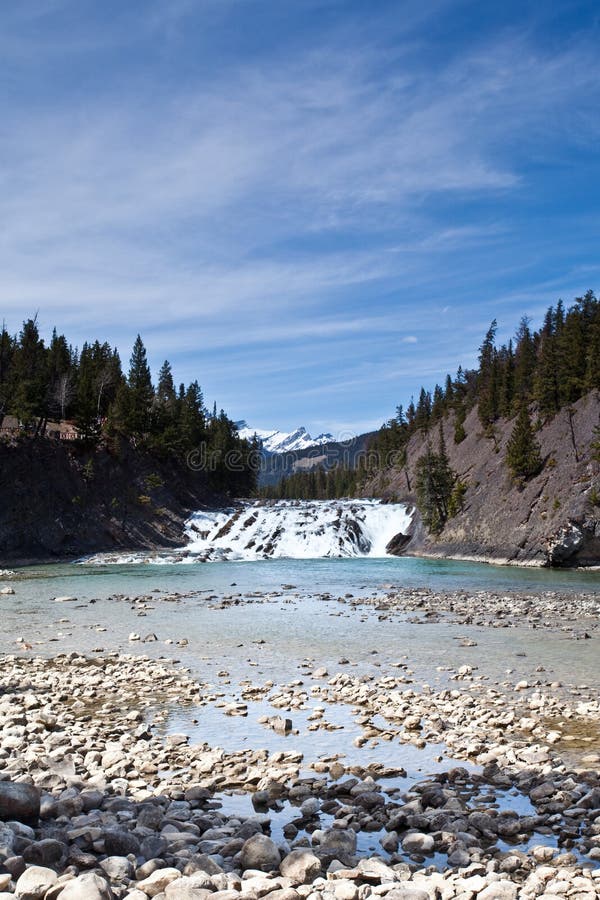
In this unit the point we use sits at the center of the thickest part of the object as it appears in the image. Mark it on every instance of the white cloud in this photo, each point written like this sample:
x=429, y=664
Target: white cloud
x=254, y=206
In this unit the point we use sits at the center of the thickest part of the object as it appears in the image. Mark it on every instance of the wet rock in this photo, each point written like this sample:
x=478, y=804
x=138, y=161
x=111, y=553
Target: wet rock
x=418, y=844
x=337, y=843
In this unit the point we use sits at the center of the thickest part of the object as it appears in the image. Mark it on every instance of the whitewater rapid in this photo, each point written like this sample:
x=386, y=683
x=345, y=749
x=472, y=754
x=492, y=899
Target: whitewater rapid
x=284, y=529
x=297, y=529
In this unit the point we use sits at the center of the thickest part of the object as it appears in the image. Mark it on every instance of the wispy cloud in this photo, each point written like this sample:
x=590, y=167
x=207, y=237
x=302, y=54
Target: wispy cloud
x=334, y=192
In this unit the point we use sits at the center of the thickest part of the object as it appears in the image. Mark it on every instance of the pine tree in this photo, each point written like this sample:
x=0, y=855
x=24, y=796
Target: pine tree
x=165, y=391
x=523, y=451
x=488, y=378
x=434, y=486
x=423, y=411
x=572, y=357
x=141, y=391
x=545, y=382
x=507, y=381
x=525, y=360
x=6, y=355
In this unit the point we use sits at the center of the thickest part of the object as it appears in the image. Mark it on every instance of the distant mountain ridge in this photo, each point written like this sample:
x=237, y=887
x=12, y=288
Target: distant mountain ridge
x=276, y=441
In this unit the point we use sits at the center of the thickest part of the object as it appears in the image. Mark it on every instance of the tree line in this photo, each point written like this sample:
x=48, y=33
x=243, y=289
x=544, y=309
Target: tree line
x=41, y=382
x=315, y=484
x=527, y=379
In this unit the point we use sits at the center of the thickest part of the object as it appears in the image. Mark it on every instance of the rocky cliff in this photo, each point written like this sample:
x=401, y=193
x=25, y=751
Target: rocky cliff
x=60, y=501
x=554, y=519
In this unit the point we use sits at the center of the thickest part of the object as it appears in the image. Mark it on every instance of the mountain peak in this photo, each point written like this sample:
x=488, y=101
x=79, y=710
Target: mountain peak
x=274, y=441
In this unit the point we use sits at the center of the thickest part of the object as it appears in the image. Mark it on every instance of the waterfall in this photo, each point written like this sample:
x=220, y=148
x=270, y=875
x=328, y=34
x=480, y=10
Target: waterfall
x=296, y=529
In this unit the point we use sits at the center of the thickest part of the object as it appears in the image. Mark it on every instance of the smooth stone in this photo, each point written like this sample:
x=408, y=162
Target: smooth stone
x=301, y=866
x=19, y=802
x=88, y=886
x=34, y=882
x=418, y=843
x=260, y=852
x=499, y=890
x=158, y=882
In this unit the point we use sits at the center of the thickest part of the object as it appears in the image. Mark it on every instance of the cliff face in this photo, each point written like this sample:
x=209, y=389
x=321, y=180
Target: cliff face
x=552, y=519
x=59, y=502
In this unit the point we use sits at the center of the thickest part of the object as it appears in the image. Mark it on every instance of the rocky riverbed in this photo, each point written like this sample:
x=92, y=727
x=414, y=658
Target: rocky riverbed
x=100, y=798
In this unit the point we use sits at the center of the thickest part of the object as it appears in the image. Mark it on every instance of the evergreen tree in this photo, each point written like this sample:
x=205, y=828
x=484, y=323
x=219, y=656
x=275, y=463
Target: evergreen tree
x=423, y=411
x=141, y=392
x=546, y=383
x=165, y=391
x=488, y=378
x=523, y=451
x=6, y=355
x=434, y=486
x=30, y=377
x=572, y=357
x=525, y=360
x=507, y=381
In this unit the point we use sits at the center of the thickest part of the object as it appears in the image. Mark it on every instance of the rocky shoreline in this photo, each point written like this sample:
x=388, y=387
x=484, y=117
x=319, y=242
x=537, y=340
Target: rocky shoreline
x=99, y=798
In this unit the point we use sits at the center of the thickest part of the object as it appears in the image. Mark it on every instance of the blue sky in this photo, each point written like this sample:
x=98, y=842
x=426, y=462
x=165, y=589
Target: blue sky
x=312, y=206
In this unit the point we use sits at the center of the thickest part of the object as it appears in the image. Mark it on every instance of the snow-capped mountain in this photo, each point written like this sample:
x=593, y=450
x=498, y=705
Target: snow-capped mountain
x=283, y=441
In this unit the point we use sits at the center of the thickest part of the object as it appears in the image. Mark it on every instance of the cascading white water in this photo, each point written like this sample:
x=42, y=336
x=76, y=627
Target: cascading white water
x=296, y=529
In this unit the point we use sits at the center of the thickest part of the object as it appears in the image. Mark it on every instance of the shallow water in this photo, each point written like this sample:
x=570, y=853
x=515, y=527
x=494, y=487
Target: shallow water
x=280, y=625
x=291, y=622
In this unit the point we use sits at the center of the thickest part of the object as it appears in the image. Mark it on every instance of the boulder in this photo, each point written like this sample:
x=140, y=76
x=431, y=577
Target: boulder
x=338, y=843
x=34, y=882
x=188, y=888
x=158, y=881
x=301, y=866
x=117, y=868
x=260, y=852
x=418, y=843
x=87, y=887
x=499, y=890
x=19, y=802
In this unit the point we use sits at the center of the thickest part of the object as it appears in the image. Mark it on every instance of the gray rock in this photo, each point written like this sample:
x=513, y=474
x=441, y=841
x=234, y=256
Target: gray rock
x=118, y=842
x=418, y=843
x=19, y=801
x=189, y=888
x=202, y=862
x=301, y=866
x=117, y=868
x=338, y=843
x=260, y=852
x=407, y=892
x=47, y=852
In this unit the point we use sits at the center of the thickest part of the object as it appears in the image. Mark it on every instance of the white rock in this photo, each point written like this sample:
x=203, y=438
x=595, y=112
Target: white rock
x=157, y=882
x=418, y=843
x=88, y=886
x=34, y=882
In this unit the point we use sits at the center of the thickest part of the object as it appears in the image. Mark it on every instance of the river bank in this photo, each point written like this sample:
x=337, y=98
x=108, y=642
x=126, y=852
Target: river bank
x=334, y=775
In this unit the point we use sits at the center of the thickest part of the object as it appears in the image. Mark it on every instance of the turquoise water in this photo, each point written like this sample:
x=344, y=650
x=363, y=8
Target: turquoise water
x=290, y=618
x=309, y=575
